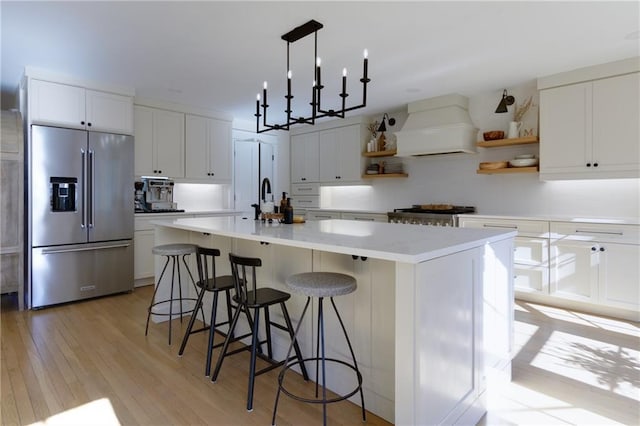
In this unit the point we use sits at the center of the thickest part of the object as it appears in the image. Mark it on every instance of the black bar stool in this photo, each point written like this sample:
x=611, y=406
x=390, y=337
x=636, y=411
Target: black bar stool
x=249, y=297
x=173, y=253
x=209, y=282
x=320, y=285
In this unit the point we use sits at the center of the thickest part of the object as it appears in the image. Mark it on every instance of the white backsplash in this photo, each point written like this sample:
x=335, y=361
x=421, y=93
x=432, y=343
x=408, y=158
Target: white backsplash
x=201, y=197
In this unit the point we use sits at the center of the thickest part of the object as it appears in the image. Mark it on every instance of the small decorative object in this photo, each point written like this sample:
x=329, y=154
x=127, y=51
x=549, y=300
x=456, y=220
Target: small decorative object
x=522, y=110
x=493, y=135
x=514, y=129
x=381, y=142
x=492, y=165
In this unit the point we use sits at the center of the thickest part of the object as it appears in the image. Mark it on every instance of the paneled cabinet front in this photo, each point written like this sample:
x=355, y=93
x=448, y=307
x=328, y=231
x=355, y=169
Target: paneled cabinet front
x=590, y=129
x=305, y=166
x=76, y=107
x=208, y=149
x=159, y=142
x=340, y=154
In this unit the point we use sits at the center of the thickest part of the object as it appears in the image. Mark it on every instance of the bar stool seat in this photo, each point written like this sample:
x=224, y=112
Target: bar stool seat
x=320, y=285
x=173, y=253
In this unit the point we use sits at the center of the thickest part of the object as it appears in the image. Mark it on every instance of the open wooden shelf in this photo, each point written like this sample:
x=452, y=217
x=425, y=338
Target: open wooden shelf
x=533, y=169
x=385, y=175
x=508, y=142
x=389, y=153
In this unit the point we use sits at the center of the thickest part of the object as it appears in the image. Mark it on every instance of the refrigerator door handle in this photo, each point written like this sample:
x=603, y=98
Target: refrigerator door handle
x=84, y=190
x=71, y=250
x=91, y=186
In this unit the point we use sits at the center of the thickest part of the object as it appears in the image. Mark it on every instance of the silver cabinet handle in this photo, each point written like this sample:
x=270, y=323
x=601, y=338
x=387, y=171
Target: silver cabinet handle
x=500, y=226
x=71, y=250
x=92, y=164
x=578, y=231
x=364, y=218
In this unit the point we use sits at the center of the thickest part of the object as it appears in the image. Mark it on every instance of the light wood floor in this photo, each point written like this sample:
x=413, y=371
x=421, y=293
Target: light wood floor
x=89, y=363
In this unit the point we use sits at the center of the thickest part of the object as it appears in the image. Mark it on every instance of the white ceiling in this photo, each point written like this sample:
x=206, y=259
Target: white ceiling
x=215, y=55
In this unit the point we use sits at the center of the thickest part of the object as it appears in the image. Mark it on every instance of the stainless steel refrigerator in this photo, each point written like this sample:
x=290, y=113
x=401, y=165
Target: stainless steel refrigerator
x=80, y=215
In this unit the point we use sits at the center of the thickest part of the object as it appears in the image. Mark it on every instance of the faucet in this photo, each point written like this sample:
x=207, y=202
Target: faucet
x=266, y=184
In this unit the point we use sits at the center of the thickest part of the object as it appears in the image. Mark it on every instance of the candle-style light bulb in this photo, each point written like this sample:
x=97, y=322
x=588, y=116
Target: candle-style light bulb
x=318, y=61
x=344, y=72
x=366, y=53
x=258, y=97
x=264, y=86
x=289, y=74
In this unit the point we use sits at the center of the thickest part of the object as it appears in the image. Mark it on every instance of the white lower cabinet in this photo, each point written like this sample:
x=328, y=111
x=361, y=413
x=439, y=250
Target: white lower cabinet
x=583, y=265
x=336, y=214
x=596, y=263
x=531, y=251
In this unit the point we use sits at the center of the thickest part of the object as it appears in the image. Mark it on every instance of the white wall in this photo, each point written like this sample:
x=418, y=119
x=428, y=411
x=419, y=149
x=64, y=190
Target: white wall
x=453, y=179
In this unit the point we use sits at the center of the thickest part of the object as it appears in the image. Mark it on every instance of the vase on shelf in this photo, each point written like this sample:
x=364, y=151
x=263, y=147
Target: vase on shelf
x=514, y=129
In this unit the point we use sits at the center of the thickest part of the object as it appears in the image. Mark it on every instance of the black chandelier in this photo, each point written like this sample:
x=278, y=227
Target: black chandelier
x=316, y=94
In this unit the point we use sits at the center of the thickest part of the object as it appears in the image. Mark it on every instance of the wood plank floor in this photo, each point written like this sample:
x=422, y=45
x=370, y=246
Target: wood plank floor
x=90, y=363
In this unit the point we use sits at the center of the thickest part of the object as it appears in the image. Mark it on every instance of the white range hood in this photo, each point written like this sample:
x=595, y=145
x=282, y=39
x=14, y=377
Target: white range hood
x=436, y=126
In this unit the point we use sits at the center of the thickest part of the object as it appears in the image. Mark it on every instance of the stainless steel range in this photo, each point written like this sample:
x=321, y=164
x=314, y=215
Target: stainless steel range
x=429, y=214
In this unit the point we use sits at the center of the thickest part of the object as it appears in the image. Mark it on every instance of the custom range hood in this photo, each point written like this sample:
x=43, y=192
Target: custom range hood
x=435, y=126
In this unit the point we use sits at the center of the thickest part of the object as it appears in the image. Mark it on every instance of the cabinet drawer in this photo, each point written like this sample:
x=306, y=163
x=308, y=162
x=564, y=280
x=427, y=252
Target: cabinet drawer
x=616, y=233
x=305, y=201
x=370, y=217
x=528, y=228
x=320, y=215
x=305, y=189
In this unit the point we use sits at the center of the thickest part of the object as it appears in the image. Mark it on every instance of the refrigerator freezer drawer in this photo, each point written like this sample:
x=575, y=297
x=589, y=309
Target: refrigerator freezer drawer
x=67, y=273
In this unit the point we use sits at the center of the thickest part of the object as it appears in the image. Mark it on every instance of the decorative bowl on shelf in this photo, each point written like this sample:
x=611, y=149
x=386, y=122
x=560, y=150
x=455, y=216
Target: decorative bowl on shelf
x=523, y=162
x=493, y=135
x=524, y=156
x=492, y=165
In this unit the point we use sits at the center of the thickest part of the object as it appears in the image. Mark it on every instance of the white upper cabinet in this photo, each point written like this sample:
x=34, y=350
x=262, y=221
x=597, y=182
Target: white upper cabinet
x=591, y=129
x=159, y=142
x=76, y=107
x=341, y=154
x=208, y=149
x=304, y=158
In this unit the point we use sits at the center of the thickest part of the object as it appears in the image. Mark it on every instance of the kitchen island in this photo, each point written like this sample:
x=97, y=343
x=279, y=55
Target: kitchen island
x=426, y=297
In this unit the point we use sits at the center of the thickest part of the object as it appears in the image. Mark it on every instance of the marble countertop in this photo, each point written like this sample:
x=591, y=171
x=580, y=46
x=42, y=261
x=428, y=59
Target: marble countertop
x=379, y=240
x=219, y=212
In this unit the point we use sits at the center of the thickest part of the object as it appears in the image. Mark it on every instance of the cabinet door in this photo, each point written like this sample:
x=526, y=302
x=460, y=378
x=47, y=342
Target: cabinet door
x=574, y=270
x=197, y=147
x=220, y=149
x=57, y=104
x=143, y=265
x=565, y=133
x=340, y=154
x=143, y=141
x=619, y=275
x=304, y=157
x=168, y=143
x=108, y=112
x=329, y=154
x=616, y=108
x=530, y=264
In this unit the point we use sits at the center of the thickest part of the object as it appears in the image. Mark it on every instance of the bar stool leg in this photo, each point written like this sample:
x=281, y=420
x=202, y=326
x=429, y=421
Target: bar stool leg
x=286, y=360
x=191, y=322
x=353, y=356
x=267, y=321
x=324, y=371
x=252, y=365
x=193, y=282
x=212, y=331
x=153, y=297
x=225, y=346
x=173, y=272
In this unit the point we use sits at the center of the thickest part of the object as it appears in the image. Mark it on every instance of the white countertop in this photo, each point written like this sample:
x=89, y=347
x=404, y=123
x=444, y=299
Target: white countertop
x=379, y=240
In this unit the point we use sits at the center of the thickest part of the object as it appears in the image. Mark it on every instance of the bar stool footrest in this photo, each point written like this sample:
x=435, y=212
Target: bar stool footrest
x=319, y=400
x=177, y=301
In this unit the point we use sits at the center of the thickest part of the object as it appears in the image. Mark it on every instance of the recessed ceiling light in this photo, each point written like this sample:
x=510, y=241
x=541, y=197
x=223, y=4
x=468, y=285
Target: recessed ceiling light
x=633, y=35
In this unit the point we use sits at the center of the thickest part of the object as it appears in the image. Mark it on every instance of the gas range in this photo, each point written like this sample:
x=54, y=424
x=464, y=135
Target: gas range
x=429, y=214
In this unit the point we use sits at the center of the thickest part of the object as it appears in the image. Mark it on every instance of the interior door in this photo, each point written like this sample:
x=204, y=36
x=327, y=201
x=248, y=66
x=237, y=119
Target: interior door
x=252, y=162
x=57, y=168
x=111, y=185
x=245, y=176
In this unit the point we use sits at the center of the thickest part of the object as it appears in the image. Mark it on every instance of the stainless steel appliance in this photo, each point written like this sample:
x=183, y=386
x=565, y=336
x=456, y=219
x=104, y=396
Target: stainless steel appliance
x=429, y=214
x=80, y=220
x=158, y=195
